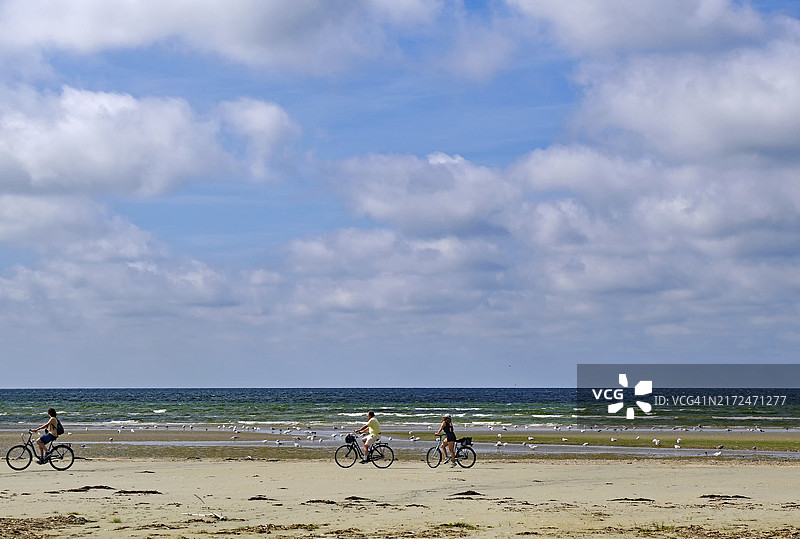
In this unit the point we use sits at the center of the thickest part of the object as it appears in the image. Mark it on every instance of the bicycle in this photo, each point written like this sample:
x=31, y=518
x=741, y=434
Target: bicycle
x=465, y=456
x=20, y=456
x=380, y=454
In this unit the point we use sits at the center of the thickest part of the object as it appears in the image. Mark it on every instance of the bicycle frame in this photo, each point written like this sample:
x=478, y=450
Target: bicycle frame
x=463, y=455
x=380, y=454
x=60, y=456
x=35, y=447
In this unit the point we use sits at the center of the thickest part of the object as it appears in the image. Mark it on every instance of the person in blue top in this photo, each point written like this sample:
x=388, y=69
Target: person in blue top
x=450, y=439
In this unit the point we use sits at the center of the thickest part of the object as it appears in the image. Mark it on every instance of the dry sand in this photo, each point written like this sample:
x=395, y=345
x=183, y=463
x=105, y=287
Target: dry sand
x=315, y=498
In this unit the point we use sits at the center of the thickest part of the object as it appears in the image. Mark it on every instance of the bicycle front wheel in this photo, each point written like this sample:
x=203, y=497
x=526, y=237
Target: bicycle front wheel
x=345, y=456
x=62, y=457
x=19, y=457
x=466, y=457
x=434, y=457
x=382, y=455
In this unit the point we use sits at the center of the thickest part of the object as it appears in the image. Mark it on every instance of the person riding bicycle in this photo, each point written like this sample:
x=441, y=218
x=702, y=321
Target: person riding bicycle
x=450, y=439
x=49, y=436
x=374, y=435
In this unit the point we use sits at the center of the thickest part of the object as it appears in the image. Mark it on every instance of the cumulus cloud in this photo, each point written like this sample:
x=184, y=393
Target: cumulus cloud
x=381, y=271
x=78, y=141
x=590, y=28
x=441, y=194
x=266, y=128
x=75, y=227
x=83, y=142
x=693, y=107
x=305, y=36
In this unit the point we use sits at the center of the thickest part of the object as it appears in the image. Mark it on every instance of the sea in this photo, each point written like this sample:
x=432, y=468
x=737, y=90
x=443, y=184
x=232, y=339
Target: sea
x=400, y=408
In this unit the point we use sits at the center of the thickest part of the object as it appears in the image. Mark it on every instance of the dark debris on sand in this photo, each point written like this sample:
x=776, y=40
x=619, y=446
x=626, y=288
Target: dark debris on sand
x=33, y=528
x=699, y=532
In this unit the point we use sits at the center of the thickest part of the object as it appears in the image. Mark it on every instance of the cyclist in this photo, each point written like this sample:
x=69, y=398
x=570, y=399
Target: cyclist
x=374, y=435
x=49, y=436
x=450, y=439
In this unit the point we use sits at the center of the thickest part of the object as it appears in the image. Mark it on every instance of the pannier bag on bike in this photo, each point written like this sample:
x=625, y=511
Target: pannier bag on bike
x=350, y=439
x=465, y=441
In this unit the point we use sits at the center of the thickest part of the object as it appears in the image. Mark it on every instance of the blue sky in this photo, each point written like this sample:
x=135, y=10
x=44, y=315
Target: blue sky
x=394, y=192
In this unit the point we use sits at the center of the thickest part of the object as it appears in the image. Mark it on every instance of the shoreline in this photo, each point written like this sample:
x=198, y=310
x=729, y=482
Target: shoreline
x=517, y=444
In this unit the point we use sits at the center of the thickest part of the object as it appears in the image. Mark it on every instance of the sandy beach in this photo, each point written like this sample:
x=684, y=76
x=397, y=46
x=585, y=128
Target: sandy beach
x=101, y=497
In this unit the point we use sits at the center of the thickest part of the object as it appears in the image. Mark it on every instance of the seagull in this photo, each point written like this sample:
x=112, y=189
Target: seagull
x=563, y=439
x=585, y=443
x=613, y=439
x=678, y=441
x=656, y=441
x=718, y=453
x=498, y=444
x=677, y=446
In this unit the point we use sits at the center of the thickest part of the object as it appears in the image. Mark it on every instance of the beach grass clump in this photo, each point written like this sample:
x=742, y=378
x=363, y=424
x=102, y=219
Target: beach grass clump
x=656, y=527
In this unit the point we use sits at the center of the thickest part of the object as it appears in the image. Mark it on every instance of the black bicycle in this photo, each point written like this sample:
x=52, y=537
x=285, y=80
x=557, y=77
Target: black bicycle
x=380, y=454
x=465, y=456
x=59, y=456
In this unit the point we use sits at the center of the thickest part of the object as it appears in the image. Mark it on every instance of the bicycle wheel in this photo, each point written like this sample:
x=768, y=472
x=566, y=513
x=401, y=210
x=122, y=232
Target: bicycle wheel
x=19, y=457
x=345, y=456
x=465, y=456
x=62, y=457
x=434, y=457
x=381, y=455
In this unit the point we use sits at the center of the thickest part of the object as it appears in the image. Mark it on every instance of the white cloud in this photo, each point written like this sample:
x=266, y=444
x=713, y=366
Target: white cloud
x=588, y=27
x=85, y=142
x=71, y=226
x=92, y=142
x=693, y=107
x=303, y=35
x=268, y=132
x=438, y=195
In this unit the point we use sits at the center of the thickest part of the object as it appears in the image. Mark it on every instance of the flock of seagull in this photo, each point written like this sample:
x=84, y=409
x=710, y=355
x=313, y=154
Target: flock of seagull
x=298, y=435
